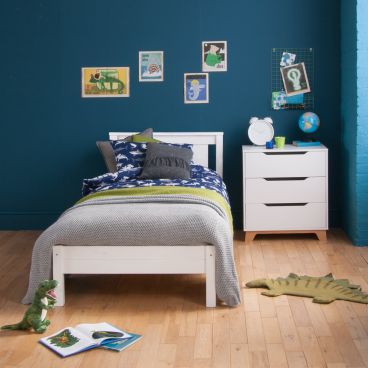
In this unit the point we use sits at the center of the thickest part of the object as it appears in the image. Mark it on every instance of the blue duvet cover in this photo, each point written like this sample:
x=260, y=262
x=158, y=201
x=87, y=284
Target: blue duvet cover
x=201, y=177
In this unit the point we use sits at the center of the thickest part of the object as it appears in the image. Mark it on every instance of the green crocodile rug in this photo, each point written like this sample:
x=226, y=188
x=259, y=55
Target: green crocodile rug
x=323, y=289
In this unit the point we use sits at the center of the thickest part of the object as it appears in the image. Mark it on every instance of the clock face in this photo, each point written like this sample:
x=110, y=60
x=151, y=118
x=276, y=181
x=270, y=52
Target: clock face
x=260, y=132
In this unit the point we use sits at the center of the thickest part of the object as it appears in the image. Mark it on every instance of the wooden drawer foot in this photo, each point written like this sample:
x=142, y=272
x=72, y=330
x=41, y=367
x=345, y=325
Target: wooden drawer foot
x=250, y=235
x=321, y=234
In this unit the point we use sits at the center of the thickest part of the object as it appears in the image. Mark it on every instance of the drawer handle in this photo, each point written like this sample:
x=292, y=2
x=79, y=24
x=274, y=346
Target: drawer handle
x=285, y=179
x=285, y=204
x=285, y=153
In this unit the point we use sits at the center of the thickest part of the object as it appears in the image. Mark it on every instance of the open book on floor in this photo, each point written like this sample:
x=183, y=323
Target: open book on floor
x=73, y=340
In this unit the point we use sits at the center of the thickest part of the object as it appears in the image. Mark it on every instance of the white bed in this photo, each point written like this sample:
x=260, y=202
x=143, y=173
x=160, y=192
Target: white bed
x=155, y=259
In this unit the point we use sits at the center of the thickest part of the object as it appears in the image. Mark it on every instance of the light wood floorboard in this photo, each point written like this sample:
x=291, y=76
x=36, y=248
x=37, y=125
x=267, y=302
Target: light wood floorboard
x=178, y=331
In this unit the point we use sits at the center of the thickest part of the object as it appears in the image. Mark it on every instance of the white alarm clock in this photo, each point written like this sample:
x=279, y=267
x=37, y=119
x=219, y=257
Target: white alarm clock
x=260, y=131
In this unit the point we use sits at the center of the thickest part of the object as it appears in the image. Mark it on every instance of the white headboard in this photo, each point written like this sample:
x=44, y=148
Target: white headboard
x=200, y=141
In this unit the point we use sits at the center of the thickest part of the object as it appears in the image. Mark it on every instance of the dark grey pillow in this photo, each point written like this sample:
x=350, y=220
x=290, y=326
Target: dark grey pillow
x=108, y=153
x=166, y=162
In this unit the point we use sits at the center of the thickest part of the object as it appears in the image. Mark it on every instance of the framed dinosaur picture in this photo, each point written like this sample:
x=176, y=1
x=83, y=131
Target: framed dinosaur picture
x=105, y=82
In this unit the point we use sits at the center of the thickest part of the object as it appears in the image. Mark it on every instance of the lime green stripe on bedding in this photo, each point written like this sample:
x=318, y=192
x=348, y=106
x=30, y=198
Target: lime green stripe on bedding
x=151, y=191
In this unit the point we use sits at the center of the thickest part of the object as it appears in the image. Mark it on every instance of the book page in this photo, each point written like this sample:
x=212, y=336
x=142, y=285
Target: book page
x=68, y=341
x=99, y=332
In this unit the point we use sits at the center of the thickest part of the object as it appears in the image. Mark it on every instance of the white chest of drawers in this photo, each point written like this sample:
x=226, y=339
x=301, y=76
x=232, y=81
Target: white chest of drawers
x=285, y=190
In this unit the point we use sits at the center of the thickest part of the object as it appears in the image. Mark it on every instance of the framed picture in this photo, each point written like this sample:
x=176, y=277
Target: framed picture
x=196, y=88
x=214, y=56
x=105, y=82
x=151, y=66
x=295, y=79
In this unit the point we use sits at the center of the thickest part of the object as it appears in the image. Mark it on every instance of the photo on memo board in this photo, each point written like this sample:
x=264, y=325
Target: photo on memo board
x=105, y=82
x=196, y=88
x=295, y=79
x=151, y=66
x=214, y=56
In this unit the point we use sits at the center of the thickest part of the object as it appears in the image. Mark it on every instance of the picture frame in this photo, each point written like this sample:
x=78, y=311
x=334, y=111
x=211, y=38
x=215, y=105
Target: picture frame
x=295, y=79
x=105, y=82
x=151, y=66
x=196, y=88
x=214, y=56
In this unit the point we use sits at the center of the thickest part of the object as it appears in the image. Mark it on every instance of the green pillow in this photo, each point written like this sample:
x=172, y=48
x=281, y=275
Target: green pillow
x=138, y=138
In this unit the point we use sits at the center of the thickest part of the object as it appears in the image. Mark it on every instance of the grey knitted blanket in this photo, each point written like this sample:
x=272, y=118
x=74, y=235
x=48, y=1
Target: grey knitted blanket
x=137, y=220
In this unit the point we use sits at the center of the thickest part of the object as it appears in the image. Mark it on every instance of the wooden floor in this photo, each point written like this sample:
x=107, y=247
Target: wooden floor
x=178, y=331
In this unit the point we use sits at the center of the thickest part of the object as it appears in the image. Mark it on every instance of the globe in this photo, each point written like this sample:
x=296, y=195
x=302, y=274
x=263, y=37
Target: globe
x=309, y=122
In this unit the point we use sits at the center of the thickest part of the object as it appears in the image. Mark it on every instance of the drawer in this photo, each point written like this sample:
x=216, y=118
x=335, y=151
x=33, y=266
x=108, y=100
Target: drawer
x=284, y=164
x=311, y=216
x=280, y=190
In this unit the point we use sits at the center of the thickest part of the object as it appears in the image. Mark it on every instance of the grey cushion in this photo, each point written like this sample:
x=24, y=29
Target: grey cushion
x=108, y=153
x=166, y=162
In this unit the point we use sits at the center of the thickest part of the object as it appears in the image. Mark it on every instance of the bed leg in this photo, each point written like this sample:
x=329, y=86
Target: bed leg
x=210, y=277
x=58, y=274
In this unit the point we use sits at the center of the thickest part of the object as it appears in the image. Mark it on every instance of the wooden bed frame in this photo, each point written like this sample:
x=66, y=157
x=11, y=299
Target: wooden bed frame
x=155, y=259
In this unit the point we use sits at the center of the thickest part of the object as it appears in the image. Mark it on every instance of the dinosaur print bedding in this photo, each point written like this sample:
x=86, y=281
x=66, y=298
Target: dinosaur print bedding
x=133, y=212
x=201, y=177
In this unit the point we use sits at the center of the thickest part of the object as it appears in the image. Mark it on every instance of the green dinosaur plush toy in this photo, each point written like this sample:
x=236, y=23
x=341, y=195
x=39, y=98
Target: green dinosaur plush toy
x=35, y=316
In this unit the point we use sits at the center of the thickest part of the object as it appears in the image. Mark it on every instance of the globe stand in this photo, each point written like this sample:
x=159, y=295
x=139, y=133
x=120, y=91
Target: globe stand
x=312, y=120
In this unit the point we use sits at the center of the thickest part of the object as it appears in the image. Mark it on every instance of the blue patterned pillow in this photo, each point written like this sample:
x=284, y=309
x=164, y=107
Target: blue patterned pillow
x=130, y=156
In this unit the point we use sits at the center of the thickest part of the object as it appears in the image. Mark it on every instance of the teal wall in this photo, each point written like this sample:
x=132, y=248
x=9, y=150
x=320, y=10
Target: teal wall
x=354, y=112
x=49, y=132
x=36, y=181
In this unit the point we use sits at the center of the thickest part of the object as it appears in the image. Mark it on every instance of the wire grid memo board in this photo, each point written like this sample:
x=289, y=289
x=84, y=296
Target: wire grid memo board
x=305, y=55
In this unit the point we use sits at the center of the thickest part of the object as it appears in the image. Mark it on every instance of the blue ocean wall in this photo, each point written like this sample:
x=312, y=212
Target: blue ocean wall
x=362, y=128
x=48, y=131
